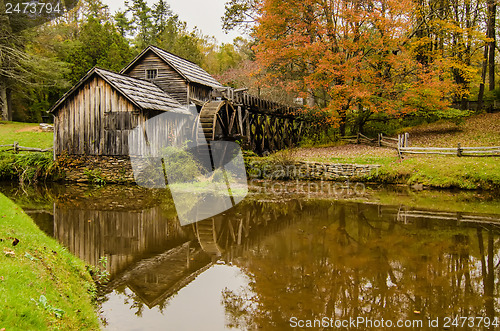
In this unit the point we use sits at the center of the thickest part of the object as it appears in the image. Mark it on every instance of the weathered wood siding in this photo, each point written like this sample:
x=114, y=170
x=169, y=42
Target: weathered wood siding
x=95, y=120
x=168, y=79
x=121, y=235
x=200, y=92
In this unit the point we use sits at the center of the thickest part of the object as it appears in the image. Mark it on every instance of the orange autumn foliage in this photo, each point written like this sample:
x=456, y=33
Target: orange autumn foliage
x=347, y=57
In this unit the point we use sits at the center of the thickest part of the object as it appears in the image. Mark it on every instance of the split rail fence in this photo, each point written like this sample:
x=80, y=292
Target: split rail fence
x=16, y=148
x=381, y=140
x=401, y=144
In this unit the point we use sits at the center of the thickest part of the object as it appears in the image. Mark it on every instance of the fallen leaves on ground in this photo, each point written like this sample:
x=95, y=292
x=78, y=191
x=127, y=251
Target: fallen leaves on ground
x=347, y=151
x=479, y=130
x=9, y=252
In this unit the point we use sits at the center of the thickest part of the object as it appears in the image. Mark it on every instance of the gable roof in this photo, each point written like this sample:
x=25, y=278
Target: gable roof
x=144, y=94
x=190, y=71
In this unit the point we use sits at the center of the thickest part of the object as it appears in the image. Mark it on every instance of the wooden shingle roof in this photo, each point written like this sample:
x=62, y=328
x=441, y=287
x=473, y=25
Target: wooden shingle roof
x=144, y=94
x=190, y=71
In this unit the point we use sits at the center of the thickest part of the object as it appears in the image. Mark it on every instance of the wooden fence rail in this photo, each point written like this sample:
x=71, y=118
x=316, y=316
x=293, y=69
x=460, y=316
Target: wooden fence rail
x=458, y=151
x=16, y=148
x=407, y=216
x=380, y=140
x=401, y=144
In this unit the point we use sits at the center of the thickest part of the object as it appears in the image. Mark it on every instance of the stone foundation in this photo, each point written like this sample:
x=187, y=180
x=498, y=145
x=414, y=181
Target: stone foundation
x=118, y=169
x=96, y=168
x=306, y=170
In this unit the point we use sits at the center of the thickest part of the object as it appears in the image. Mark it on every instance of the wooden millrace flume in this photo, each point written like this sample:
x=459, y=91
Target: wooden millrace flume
x=259, y=124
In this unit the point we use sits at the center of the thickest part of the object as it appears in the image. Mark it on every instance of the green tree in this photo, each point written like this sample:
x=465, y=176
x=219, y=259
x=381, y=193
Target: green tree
x=97, y=45
x=123, y=24
x=161, y=14
x=22, y=68
x=142, y=22
x=240, y=14
x=176, y=39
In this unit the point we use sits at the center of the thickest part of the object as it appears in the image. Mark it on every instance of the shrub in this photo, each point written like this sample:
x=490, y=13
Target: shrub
x=180, y=165
x=28, y=167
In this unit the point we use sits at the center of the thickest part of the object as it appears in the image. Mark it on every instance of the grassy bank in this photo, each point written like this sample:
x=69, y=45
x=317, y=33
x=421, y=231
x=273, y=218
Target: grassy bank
x=27, y=167
x=26, y=134
x=42, y=286
x=442, y=172
x=433, y=171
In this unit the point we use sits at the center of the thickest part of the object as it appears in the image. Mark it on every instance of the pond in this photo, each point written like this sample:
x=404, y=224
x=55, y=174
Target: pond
x=384, y=258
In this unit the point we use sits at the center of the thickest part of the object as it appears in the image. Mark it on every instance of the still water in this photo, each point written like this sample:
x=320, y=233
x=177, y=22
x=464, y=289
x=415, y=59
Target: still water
x=429, y=260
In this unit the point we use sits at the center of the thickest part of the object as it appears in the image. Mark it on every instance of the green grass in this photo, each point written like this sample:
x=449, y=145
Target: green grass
x=26, y=134
x=443, y=200
x=42, y=286
x=433, y=171
x=382, y=160
x=29, y=167
x=442, y=172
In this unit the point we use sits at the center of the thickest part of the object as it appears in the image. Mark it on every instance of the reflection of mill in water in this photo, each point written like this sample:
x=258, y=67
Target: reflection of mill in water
x=208, y=237
x=150, y=253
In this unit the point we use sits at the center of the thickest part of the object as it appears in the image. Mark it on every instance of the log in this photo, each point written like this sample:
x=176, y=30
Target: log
x=480, y=151
x=428, y=149
x=415, y=152
x=485, y=148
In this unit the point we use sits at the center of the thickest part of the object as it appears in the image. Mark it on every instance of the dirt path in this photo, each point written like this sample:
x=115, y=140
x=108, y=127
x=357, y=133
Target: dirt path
x=350, y=150
x=35, y=128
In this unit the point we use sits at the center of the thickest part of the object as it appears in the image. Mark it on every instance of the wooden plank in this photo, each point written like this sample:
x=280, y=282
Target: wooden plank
x=100, y=117
x=71, y=120
x=481, y=148
x=427, y=149
x=81, y=121
x=429, y=152
x=168, y=79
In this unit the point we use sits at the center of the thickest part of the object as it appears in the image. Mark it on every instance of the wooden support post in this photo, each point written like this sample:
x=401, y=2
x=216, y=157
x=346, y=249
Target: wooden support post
x=399, y=145
x=188, y=256
x=240, y=120
x=16, y=147
x=379, y=139
x=459, y=150
x=407, y=139
x=357, y=138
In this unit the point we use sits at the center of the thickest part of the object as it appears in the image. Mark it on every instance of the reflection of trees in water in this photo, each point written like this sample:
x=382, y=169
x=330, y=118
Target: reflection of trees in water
x=344, y=261
x=306, y=258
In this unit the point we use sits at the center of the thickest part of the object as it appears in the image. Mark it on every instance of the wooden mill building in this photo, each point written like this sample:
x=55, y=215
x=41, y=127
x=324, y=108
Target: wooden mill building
x=96, y=115
x=183, y=80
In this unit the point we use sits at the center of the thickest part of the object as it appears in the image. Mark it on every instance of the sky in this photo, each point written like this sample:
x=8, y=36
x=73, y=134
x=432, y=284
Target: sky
x=204, y=14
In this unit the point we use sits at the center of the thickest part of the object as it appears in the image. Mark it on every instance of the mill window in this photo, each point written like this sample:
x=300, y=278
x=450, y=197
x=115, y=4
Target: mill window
x=151, y=73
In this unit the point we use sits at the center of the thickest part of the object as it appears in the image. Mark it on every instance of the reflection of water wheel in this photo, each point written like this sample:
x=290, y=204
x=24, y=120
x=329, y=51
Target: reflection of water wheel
x=206, y=233
x=219, y=121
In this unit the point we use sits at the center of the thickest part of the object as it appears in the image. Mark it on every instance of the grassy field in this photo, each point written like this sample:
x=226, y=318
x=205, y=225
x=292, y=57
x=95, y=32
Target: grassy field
x=434, y=171
x=26, y=134
x=42, y=286
x=479, y=130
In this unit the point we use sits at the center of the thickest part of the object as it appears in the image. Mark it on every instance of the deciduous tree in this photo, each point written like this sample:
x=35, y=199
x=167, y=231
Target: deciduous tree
x=349, y=58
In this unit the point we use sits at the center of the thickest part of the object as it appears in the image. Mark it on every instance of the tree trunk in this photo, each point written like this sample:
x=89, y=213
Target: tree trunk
x=480, y=95
x=4, y=103
x=492, y=13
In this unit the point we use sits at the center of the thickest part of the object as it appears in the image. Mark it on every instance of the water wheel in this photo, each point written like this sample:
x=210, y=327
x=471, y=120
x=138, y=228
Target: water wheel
x=219, y=121
x=208, y=238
